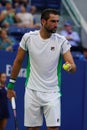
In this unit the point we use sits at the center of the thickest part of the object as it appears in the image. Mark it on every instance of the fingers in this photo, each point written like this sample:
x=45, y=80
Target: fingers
x=10, y=94
x=70, y=67
x=67, y=66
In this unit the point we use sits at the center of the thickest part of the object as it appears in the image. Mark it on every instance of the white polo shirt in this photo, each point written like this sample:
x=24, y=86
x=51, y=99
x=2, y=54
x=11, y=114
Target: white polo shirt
x=44, y=56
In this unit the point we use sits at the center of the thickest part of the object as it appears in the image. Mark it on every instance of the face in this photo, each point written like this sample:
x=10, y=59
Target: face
x=3, y=78
x=51, y=24
x=8, y=5
x=23, y=9
x=68, y=28
x=3, y=33
x=33, y=9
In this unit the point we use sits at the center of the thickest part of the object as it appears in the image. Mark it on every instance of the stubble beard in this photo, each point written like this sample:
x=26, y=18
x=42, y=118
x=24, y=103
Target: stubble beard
x=50, y=30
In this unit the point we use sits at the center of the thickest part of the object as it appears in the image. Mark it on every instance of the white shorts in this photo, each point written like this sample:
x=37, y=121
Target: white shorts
x=38, y=104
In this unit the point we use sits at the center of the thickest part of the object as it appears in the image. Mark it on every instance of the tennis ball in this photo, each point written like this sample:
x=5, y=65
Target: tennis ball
x=66, y=66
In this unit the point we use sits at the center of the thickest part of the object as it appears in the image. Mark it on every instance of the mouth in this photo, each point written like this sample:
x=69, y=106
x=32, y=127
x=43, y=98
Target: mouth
x=54, y=29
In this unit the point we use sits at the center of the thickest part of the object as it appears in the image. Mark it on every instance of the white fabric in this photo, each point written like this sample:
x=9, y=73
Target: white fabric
x=44, y=56
x=26, y=18
x=39, y=103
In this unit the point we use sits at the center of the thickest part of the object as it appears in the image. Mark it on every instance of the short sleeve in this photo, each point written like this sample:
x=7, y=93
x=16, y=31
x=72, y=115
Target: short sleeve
x=65, y=47
x=23, y=42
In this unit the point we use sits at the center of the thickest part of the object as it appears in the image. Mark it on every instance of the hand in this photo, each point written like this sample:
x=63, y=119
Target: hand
x=11, y=93
x=68, y=38
x=67, y=66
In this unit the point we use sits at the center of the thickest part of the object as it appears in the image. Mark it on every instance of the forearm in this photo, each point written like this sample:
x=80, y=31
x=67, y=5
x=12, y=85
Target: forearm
x=69, y=59
x=15, y=69
x=17, y=63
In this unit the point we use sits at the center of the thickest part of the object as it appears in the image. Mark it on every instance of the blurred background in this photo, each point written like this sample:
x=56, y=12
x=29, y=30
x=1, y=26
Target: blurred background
x=20, y=16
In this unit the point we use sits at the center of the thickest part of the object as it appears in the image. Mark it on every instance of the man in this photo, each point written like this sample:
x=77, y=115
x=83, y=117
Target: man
x=42, y=94
x=71, y=36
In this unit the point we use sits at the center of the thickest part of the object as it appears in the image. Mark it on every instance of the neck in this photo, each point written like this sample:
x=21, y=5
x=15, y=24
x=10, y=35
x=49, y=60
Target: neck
x=44, y=34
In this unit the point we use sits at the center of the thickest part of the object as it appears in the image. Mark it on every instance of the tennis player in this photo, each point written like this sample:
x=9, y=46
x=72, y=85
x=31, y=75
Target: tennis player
x=4, y=112
x=42, y=95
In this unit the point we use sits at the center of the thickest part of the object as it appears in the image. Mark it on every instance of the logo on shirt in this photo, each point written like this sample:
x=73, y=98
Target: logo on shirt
x=58, y=120
x=52, y=48
x=67, y=43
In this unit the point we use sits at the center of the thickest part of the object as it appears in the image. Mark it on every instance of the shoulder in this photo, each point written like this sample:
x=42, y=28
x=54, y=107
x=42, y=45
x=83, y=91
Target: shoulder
x=30, y=34
x=74, y=32
x=59, y=37
x=28, y=38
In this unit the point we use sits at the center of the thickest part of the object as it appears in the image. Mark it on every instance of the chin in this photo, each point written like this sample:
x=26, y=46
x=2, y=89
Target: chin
x=53, y=31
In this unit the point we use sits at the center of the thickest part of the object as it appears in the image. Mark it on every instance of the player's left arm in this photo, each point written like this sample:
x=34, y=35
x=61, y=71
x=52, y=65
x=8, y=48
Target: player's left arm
x=69, y=59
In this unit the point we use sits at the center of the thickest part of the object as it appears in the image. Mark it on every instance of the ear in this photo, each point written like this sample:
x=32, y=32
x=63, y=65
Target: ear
x=43, y=21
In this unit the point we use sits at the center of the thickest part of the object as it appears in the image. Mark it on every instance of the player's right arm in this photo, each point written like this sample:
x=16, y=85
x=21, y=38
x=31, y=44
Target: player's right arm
x=15, y=70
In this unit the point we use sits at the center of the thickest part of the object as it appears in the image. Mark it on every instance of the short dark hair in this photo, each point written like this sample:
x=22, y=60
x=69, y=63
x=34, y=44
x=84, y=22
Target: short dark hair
x=46, y=13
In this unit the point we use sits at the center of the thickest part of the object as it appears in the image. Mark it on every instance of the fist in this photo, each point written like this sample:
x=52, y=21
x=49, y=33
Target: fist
x=11, y=93
x=67, y=66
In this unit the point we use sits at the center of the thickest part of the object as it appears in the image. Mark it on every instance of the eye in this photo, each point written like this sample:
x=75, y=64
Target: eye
x=54, y=21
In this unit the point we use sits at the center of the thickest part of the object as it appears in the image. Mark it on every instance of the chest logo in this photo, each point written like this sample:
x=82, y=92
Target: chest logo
x=52, y=48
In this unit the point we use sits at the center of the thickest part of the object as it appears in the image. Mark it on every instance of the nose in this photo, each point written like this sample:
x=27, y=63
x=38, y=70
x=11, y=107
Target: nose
x=56, y=24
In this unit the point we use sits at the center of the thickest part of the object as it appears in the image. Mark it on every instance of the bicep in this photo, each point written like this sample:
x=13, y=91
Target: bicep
x=20, y=55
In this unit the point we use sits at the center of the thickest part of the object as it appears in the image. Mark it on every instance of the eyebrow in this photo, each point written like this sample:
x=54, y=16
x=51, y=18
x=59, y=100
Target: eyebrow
x=54, y=20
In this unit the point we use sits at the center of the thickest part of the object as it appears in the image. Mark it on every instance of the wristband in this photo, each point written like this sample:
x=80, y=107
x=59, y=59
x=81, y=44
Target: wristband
x=11, y=84
x=12, y=81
